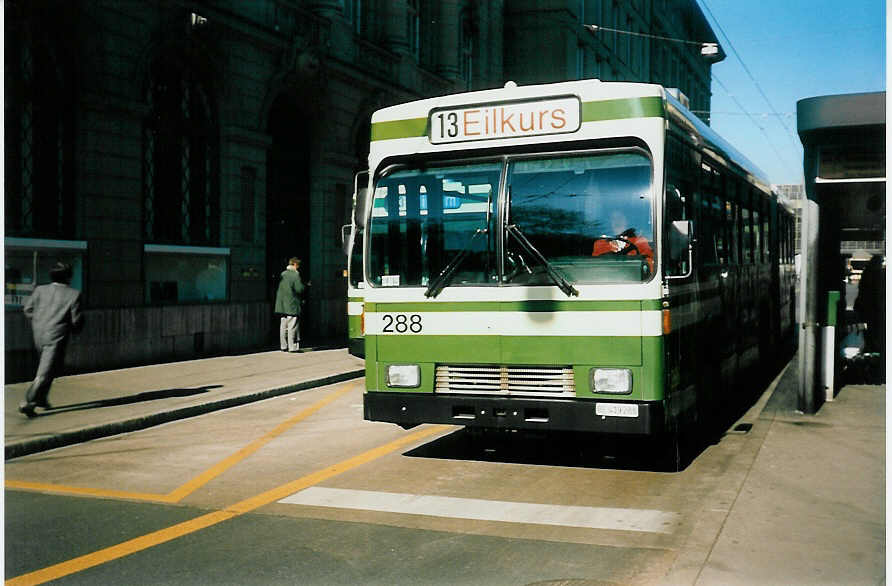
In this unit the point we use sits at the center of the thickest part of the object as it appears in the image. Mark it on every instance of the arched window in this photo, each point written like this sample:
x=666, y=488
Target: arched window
x=413, y=30
x=180, y=157
x=40, y=116
x=466, y=46
x=355, y=13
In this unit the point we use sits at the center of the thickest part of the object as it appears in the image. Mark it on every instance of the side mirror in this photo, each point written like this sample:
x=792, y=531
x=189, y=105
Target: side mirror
x=680, y=233
x=362, y=195
x=346, y=233
x=360, y=198
x=681, y=236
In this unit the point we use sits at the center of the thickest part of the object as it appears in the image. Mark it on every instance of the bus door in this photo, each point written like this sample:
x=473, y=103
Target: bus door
x=718, y=325
x=681, y=298
x=731, y=284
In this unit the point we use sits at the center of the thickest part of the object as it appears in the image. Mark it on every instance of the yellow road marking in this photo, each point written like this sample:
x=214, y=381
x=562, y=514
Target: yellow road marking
x=126, y=548
x=227, y=463
x=97, y=492
x=191, y=486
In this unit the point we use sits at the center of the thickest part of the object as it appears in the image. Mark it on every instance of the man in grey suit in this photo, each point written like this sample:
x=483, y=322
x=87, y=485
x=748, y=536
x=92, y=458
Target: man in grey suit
x=55, y=312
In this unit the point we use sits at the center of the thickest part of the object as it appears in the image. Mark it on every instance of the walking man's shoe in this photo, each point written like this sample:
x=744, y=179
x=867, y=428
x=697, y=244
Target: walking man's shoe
x=27, y=409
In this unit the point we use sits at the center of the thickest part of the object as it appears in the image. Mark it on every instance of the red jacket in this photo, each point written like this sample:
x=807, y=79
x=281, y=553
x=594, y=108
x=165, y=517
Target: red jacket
x=607, y=246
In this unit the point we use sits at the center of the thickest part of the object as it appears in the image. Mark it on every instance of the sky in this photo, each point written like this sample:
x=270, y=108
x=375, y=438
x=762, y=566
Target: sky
x=793, y=49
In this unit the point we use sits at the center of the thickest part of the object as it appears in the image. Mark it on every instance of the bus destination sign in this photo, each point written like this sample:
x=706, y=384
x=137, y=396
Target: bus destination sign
x=505, y=120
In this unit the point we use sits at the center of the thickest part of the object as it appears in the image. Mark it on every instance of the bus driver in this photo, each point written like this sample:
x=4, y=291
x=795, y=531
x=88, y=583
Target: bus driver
x=625, y=241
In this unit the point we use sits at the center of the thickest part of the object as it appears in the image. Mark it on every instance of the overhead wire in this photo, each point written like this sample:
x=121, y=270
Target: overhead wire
x=748, y=72
x=593, y=28
x=759, y=114
x=780, y=117
x=752, y=119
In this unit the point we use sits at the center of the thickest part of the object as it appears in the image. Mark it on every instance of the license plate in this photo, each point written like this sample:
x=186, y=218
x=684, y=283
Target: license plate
x=616, y=409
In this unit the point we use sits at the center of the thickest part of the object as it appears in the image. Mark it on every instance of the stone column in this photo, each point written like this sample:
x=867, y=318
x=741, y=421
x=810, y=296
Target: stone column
x=448, y=22
x=326, y=8
x=395, y=13
x=495, y=43
x=483, y=49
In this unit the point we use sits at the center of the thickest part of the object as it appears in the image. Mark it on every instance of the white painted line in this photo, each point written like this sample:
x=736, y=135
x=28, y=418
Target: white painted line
x=517, y=323
x=641, y=520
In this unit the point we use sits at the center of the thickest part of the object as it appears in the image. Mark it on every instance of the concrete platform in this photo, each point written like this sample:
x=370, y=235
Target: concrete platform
x=802, y=500
x=811, y=508
x=99, y=404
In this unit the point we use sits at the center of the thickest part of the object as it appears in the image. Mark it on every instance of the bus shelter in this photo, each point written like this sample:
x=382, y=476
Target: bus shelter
x=843, y=137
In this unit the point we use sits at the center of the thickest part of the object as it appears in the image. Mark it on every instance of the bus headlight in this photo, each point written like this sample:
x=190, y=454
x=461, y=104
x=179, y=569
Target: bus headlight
x=403, y=375
x=617, y=381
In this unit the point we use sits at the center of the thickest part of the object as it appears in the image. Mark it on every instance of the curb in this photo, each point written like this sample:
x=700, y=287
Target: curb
x=42, y=444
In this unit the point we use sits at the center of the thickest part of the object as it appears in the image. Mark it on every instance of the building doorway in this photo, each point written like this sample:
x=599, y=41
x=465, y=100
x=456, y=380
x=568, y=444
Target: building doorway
x=288, y=203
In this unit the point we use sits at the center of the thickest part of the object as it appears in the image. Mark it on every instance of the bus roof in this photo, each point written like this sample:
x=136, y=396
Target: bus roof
x=599, y=101
x=587, y=90
x=712, y=141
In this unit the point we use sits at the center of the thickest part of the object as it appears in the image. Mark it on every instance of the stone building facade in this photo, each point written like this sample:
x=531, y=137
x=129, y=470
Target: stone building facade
x=178, y=152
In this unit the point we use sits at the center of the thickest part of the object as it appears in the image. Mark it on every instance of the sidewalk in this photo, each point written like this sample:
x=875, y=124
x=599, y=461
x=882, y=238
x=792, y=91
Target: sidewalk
x=803, y=498
x=99, y=404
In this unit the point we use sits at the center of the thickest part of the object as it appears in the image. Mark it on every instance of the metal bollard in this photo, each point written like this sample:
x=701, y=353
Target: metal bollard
x=828, y=344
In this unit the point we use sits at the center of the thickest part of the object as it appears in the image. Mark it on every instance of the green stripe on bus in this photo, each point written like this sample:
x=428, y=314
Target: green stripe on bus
x=622, y=108
x=529, y=306
x=495, y=349
x=371, y=369
x=354, y=326
x=411, y=128
x=651, y=381
x=647, y=107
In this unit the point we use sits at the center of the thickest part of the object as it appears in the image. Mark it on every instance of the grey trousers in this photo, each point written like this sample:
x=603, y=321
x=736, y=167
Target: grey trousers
x=52, y=358
x=289, y=333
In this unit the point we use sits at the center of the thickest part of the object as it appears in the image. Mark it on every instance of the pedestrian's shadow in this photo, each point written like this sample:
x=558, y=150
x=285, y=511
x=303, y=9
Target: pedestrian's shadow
x=138, y=398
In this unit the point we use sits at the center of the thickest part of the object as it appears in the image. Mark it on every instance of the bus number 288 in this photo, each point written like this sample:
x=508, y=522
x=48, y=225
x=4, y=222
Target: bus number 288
x=402, y=323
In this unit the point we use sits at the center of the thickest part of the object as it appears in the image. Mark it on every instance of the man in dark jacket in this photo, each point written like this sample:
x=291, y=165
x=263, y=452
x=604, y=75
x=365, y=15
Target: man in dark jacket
x=55, y=312
x=871, y=304
x=288, y=298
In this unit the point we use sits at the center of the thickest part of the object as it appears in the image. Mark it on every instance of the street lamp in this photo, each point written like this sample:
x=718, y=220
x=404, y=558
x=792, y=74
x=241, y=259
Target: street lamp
x=709, y=49
x=706, y=49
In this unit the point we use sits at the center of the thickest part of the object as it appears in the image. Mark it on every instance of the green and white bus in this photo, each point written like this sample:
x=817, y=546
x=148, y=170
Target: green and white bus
x=352, y=240
x=580, y=256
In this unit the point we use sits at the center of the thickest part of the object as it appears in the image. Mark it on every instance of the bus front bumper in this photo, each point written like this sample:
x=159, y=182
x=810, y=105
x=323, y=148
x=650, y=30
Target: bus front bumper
x=409, y=410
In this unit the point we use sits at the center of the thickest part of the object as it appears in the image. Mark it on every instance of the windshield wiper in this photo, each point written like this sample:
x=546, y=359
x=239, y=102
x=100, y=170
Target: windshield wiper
x=558, y=279
x=446, y=274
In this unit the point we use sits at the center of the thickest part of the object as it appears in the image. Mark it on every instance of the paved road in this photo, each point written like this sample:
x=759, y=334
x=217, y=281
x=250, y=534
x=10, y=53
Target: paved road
x=299, y=489
x=318, y=496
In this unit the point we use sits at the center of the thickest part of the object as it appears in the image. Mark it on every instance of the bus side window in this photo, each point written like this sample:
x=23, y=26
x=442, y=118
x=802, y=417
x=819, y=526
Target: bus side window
x=721, y=232
x=757, y=234
x=766, y=233
x=731, y=225
x=708, y=228
x=676, y=209
x=676, y=204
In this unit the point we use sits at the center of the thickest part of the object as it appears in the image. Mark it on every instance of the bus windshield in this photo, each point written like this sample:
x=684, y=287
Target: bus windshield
x=589, y=217
x=423, y=217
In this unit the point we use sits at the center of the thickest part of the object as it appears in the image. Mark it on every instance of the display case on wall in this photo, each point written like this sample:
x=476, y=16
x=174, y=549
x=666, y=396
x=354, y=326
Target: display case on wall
x=185, y=274
x=28, y=262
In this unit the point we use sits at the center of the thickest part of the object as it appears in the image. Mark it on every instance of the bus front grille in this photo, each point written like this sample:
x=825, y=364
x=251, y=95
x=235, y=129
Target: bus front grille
x=505, y=380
